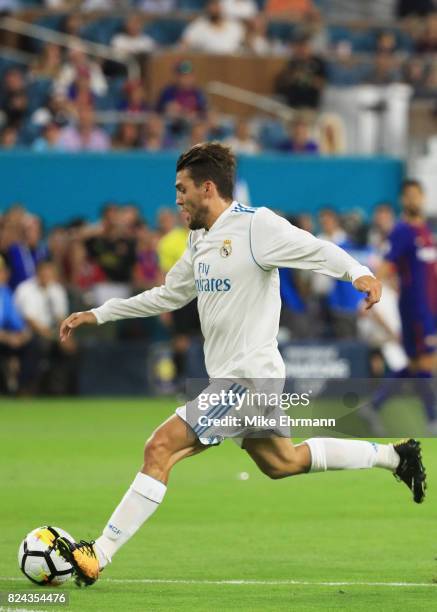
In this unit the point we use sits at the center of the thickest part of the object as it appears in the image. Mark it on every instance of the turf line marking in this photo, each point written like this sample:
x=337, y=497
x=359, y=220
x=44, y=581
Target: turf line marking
x=267, y=582
x=426, y=585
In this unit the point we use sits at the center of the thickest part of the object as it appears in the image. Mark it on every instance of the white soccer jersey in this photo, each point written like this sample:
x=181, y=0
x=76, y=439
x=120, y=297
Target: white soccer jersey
x=232, y=269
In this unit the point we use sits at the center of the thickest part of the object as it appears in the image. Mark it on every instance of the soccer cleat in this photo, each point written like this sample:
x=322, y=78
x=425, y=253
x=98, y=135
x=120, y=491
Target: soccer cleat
x=83, y=558
x=410, y=469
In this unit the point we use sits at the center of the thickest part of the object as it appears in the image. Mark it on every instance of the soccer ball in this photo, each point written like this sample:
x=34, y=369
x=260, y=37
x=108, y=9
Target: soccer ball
x=39, y=559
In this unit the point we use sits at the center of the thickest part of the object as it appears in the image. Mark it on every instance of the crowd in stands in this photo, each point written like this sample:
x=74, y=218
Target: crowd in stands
x=45, y=275
x=55, y=103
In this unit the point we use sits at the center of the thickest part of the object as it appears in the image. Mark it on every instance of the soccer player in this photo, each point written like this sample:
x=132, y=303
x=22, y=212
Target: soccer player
x=231, y=265
x=412, y=258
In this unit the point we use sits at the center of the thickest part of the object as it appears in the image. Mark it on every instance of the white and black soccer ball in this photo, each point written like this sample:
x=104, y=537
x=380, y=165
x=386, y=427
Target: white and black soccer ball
x=39, y=558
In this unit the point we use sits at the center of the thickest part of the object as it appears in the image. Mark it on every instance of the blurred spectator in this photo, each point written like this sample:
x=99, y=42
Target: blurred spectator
x=156, y=6
x=182, y=99
x=427, y=42
x=13, y=336
x=383, y=220
x=299, y=140
x=58, y=244
x=213, y=32
x=330, y=226
x=198, y=134
x=135, y=99
x=49, y=139
x=48, y=63
x=9, y=137
x=256, y=40
x=292, y=9
x=239, y=9
x=407, y=8
x=72, y=24
x=242, y=141
x=126, y=137
x=85, y=135
x=43, y=303
x=165, y=221
x=185, y=321
x=217, y=127
x=27, y=251
x=114, y=254
x=80, y=92
x=58, y=110
x=10, y=227
x=132, y=41
x=386, y=42
x=78, y=65
x=83, y=274
x=13, y=97
x=155, y=136
x=302, y=81
x=385, y=69
x=414, y=73
x=332, y=134
x=147, y=272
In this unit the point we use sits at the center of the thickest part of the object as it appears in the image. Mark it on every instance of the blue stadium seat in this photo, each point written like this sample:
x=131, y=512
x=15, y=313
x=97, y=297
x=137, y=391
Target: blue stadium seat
x=166, y=31
x=191, y=5
x=342, y=76
x=102, y=30
x=280, y=30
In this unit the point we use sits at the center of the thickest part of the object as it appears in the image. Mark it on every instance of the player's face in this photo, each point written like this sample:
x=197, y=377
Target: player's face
x=412, y=200
x=192, y=199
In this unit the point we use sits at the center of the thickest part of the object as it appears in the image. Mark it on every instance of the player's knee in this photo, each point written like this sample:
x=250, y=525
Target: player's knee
x=157, y=451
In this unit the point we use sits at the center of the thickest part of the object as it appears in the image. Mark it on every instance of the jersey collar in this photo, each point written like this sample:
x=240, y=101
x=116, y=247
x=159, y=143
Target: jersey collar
x=220, y=219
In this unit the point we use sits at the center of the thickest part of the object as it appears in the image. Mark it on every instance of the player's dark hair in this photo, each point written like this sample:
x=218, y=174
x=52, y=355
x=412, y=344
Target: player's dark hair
x=210, y=161
x=411, y=183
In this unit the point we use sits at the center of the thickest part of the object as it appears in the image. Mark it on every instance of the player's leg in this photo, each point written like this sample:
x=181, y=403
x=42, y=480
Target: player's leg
x=278, y=458
x=170, y=443
x=422, y=369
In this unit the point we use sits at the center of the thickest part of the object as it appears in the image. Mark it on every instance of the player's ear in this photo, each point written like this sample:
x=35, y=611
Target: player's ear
x=208, y=187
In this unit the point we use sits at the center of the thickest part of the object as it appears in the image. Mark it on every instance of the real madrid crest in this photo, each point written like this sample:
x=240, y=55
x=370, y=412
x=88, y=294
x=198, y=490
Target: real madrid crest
x=226, y=249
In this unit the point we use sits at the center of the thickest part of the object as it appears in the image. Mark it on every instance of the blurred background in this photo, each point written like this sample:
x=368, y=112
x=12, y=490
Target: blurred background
x=329, y=105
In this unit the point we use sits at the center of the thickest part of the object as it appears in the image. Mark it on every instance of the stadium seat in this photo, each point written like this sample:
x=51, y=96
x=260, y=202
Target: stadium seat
x=281, y=30
x=166, y=31
x=344, y=76
x=191, y=5
x=102, y=30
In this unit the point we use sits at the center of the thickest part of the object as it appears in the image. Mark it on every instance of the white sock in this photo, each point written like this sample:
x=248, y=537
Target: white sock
x=338, y=454
x=140, y=502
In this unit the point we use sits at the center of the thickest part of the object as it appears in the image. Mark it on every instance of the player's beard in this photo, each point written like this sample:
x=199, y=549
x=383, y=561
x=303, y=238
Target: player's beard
x=197, y=216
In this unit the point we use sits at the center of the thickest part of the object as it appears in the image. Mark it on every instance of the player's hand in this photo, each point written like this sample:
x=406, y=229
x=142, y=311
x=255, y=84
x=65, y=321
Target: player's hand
x=75, y=320
x=372, y=286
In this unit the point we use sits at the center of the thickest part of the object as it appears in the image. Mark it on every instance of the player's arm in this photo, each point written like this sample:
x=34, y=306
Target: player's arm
x=276, y=243
x=177, y=291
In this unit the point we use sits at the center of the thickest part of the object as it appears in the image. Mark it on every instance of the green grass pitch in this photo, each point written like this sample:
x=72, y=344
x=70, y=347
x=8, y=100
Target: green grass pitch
x=68, y=462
